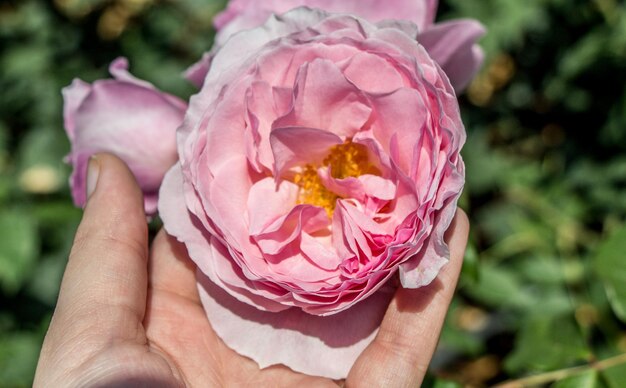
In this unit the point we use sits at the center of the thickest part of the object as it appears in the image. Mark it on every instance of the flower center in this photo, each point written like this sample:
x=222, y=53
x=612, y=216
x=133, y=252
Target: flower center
x=312, y=190
x=344, y=160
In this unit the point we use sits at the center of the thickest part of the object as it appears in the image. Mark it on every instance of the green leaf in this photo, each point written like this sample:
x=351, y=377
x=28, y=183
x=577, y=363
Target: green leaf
x=18, y=358
x=7, y=184
x=46, y=280
x=471, y=263
x=542, y=270
x=4, y=138
x=615, y=376
x=499, y=288
x=547, y=343
x=431, y=381
x=461, y=341
x=439, y=383
x=582, y=55
x=587, y=379
x=25, y=59
x=19, y=244
x=610, y=265
x=43, y=146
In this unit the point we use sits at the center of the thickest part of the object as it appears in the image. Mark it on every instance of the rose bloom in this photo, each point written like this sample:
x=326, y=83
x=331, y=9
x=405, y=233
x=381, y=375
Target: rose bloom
x=452, y=44
x=319, y=161
x=125, y=116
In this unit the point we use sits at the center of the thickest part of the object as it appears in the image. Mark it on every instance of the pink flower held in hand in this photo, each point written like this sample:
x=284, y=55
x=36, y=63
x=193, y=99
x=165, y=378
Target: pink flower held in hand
x=451, y=44
x=319, y=160
x=127, y=117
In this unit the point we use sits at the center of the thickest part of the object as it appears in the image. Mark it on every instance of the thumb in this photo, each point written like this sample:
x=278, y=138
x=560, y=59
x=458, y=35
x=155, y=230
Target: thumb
x=103, y=293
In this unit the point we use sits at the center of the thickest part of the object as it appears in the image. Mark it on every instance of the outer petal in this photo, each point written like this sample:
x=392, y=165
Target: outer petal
x=422, y=269
x=453, y=46
x=127, y=117
x=293, y=337
x=180, y=223
x=243, y=15
x=119, y=70
x=246, y=14
x=240, y=52
x=196, y=73
x=73, y=96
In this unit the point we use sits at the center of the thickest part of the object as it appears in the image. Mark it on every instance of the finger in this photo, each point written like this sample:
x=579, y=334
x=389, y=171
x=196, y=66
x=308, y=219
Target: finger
x=170, y=268
x=401, y=352
x=105, y=282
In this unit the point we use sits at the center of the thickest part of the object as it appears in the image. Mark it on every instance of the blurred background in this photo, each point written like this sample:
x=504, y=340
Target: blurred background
x=542, y=299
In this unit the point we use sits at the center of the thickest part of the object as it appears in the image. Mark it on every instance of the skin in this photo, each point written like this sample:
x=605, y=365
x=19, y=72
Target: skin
x=130, y=315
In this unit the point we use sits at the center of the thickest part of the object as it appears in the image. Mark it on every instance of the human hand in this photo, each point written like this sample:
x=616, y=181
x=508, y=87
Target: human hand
x=127, y=316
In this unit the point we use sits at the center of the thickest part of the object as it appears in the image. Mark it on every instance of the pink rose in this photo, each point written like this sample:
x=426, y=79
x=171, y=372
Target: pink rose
x=125, y=116
x=319, y=160
x=451, y=44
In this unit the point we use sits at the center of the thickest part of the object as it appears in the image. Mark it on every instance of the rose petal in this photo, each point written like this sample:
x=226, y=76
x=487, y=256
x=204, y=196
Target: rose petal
x=422, y=269
x=73, y=96
x=119, y=70
x=378, y=187
x=276, y=236
x=228, y=196
x=324, y=99
x=204, y=249
x=322, y=255
x=127, y=117
x=453, y=46
x=135, y=123
x=372, y=74
x=402, y=120
x=267, y=203
x=262, y=109
x=300, y=146
x=196, y=72
x=292, y=337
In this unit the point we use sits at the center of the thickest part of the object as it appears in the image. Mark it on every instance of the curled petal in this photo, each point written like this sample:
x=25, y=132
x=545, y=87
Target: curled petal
x=325, y=99
x=196, y=73
x=453, y=45
x=291, y=146
x=125, y=116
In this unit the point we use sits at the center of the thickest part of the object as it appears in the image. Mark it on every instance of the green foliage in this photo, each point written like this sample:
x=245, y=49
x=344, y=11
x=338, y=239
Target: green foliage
x=18, y=248
x=18, y=358
x=615, y=375
x=610, y=264
x=545, y=343
x=588, y=379
x=498, y=288
x=543, y=288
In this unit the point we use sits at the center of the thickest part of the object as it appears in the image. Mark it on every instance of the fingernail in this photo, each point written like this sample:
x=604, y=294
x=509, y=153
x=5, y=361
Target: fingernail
x=93, y=170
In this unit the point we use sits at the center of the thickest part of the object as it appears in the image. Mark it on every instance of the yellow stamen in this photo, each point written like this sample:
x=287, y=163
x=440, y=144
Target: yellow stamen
x=349, y=160
x=344, y=160
x=312, y=190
